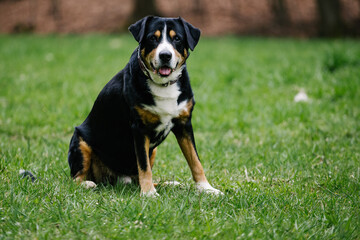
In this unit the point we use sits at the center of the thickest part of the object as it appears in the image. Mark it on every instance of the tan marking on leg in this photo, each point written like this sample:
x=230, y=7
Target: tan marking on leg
x=157, y=34
x=192, y=159
x=152, y=158
x=197, y=170
x=93, y=168
x=146, y=116
x=145, y=177
x=86, y=153
x=185, y=114
x=172, y=34
x=97, y=169
x=101, y=172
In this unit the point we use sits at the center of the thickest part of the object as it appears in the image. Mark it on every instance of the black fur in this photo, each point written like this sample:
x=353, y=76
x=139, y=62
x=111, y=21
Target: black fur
x=192, y=34
x=138, y=29
x=114, y=129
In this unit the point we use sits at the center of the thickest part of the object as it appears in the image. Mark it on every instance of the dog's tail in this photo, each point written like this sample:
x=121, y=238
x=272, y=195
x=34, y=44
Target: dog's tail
x=27, y=174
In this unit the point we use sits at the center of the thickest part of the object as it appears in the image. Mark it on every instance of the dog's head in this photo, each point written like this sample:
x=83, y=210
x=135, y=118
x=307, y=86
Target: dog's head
x=164, y=45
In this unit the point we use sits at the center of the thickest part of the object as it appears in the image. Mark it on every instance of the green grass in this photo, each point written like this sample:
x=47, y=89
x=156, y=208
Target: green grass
x=288, y=170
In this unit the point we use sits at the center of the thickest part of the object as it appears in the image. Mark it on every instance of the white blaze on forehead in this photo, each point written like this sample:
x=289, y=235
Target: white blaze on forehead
x=177, y=71
x=165, y=45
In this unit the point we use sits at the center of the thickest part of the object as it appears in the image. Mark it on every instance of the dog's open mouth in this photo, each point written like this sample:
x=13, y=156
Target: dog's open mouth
x=163, y=71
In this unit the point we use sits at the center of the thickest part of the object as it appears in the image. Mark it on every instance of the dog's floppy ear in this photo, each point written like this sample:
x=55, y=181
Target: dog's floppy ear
x=138, y=29
x=192, y=34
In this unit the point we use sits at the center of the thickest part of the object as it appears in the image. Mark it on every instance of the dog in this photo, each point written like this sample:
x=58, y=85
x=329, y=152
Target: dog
x=138, y=108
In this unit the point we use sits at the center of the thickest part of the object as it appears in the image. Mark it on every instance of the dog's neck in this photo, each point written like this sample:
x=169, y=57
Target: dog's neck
x=145, y=70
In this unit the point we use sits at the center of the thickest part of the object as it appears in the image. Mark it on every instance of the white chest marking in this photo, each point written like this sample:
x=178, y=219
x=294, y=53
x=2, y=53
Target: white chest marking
x=166, y=105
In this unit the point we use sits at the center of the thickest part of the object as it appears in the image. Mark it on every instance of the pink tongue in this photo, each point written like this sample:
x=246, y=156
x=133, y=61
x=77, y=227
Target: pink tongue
x=165, y=71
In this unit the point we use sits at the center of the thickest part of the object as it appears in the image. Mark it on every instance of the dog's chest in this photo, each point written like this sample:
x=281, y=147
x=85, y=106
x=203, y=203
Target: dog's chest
x=166, y=107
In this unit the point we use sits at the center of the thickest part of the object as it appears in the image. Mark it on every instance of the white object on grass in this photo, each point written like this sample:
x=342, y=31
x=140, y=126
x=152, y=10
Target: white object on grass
x=301, y=96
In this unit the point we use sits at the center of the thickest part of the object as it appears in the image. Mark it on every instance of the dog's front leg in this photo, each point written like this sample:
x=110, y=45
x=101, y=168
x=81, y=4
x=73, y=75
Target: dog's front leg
x=142, y=143
x=185, y=137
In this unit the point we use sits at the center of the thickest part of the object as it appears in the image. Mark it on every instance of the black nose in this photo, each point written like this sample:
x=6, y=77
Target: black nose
x=165, y=56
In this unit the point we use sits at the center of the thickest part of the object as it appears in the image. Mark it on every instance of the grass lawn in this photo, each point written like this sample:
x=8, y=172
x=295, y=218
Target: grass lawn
x=288, y=169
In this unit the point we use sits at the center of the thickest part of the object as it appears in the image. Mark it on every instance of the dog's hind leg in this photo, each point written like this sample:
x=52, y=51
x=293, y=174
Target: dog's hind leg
x=79, y=159
x=142, y=143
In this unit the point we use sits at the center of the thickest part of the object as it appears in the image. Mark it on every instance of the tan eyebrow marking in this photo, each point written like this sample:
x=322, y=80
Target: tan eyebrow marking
x=172, y=33
x=157, y=33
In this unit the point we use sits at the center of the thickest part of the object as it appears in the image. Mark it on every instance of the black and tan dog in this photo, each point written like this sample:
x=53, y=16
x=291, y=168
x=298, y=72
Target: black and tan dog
x=138, y=108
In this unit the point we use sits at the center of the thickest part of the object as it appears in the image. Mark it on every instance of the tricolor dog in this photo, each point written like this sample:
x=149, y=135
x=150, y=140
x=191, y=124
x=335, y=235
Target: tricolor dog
x=138, y=108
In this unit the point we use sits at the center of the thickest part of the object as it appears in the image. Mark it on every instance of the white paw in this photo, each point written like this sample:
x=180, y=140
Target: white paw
x=88, y=184
x=207, y=188
x=125, y=180
x=151, y=193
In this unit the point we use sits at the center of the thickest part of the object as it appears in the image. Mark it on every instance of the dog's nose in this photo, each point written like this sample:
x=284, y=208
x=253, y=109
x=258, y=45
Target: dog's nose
x=165, y=56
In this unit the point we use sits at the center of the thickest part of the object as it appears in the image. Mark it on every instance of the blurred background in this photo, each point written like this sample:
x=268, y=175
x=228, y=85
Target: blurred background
x=295, y=18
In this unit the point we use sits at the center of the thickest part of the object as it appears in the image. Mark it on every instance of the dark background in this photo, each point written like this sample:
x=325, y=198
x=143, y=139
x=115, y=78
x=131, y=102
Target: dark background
x=296, y=18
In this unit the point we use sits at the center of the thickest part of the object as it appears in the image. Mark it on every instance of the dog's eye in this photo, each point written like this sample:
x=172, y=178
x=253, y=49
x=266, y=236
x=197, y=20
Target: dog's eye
x=177, y=38
x=153, y=38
